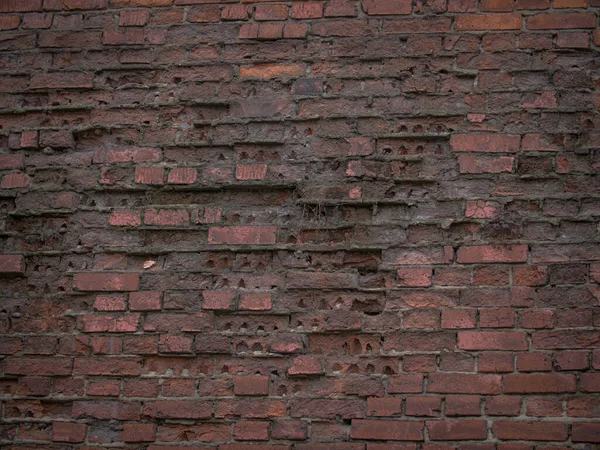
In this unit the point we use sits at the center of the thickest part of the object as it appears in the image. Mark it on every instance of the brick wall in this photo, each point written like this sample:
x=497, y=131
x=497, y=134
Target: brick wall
x=320, y=225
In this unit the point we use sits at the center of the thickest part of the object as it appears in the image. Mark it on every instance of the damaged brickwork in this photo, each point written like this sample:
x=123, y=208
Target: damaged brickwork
x=299, y=225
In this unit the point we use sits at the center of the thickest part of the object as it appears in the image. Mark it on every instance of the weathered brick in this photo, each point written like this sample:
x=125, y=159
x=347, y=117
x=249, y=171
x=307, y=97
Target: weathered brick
x=464, y=383
x=139, y=432
x=149, y=175
x=272, y=70
x=478, y=22
x=388, y=430
x=248, y=235
x=455, y=430
x=20, y=5
x=559, y=21
x=68, y=432
x=106, y=281
x=387, y=7
x=530, y=431
x=307, y=10
x=492, y=254
x=505, y=143
x=134, y=18
x=252, y=385
x=538, y=383
x=12, y=264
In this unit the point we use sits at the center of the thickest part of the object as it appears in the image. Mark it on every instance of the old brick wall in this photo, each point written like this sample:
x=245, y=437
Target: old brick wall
x=299, y=225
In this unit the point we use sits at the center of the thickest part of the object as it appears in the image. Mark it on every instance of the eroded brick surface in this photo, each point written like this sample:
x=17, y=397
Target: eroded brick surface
x=299, y=225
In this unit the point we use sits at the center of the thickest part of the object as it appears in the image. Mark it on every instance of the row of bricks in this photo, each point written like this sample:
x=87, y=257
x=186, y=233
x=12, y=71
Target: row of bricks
x=360, y=429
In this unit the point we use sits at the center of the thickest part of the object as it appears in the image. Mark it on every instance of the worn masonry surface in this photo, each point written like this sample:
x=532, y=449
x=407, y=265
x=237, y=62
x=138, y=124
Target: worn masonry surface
x=299, y=225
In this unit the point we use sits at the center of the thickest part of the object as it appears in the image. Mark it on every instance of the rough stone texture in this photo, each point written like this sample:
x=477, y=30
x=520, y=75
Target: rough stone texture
x=299, y=225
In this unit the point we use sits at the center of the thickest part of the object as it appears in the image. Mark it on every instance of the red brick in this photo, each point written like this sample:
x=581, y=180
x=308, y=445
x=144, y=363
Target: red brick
x=11, y=161
x=583, y=407
x=290, y=429
x=127, y=154
x=34, y=386
x=103, y=388
x=271, y=12
x=175, y=344
x=497, y=5
x=106, y=410
x=108, y=366
x=463, y=405
x=252, y=385
x=177, y=409
x=423, y=406
x=530, y=431
x=573, y=40
x=12, y=264
x=106, y=281
x=560, y=21
x=236, y=12
x=402, y=384
x=414, y=277
x=9, y=22
x=503, y=406
x=167, y=218
x=482, y=22
x=457, y=430
x=481, y=209
x=492, y=254
x=134, y=18
x=251, y=430
x=462, y=6
x=505, y=143
x=307, y=10
x=204, y=14
x=534, y=362
x=295, y=30
x=272, y=70
x=571, y=360
x=53, y=366
x=243, y=235
x=255, y=301
x=62, y=80
x=461, y=383
x=149, y=175
x=139, y=432
x=68, y=432
x=20, y=5
x=485, y=164
x=125, y=218
x=496, y=318
x=538, y=383
x=110, y=303
x=270, y=31
x=305, y=365
x=75, y=4
x=586, y=432
x=182, y=175
x=218, y=300
x=388, y=430
x=459, y=318
x=384, y=407
x=14, y=181
x=533, y=4
x=492, y=340
x=387, y=7
x=250, y=171
x=144, y=301
x=590, y=382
